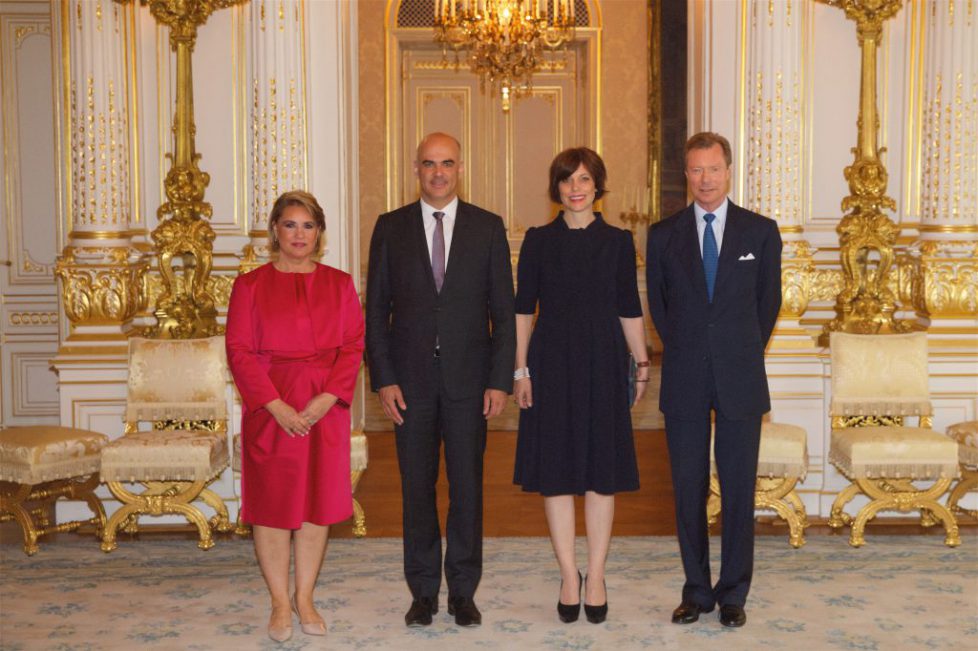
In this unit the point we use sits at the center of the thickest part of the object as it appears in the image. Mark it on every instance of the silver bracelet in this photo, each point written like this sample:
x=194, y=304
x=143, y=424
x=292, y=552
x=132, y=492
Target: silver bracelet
x=521, y=373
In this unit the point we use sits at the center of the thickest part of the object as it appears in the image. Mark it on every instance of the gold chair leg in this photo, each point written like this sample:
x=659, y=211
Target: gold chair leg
x=157, y=499
x=359, y=520
x=837, y=516
x=967, y=483
x=779, y=495
x=13, y=504
x=221, y=521
x=713, y=501
x=884, y=495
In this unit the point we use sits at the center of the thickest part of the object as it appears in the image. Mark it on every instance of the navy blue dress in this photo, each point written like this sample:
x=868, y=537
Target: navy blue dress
x=577, y=437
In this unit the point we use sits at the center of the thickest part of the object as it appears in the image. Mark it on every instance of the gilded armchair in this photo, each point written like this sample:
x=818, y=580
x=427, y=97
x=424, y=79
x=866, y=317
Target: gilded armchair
x=179, y=386
x=878, y=381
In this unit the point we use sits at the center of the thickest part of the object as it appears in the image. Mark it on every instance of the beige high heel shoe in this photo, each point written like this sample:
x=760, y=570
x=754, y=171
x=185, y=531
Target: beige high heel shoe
x=280, y=633
x=309, y=628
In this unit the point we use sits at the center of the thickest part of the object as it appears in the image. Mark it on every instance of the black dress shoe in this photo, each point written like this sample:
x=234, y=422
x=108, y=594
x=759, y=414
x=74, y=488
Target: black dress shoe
x=597, y=614
x=732, y=616
x=688, y=612
x=569, y=613
x=466, y=614
x=421, y=611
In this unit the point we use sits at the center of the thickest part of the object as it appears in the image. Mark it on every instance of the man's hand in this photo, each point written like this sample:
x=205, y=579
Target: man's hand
x=392, y=400
x=493, y=402
x=287, y=418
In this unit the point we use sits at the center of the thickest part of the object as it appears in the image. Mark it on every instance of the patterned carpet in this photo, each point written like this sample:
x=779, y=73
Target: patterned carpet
x=898, y=592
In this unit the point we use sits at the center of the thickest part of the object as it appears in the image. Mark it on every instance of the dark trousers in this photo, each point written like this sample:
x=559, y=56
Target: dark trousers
x=460, y=424
x=737, y=443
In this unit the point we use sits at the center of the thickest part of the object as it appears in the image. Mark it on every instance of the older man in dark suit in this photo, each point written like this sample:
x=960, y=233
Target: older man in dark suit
x=714, y=283
x=441, y=345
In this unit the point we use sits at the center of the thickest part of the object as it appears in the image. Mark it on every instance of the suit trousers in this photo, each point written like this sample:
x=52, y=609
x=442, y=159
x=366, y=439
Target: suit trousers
x=737, y=445
x=460, y=424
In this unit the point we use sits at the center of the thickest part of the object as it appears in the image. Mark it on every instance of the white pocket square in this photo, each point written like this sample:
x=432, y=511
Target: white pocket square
x=749, y=256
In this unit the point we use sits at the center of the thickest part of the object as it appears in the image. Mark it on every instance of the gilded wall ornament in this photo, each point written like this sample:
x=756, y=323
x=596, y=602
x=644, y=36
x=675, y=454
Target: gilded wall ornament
x=108, y=292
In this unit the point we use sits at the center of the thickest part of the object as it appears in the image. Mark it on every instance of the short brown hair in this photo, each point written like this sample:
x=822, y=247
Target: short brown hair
x=567, y=162
x=706, y=140
x=296, y=198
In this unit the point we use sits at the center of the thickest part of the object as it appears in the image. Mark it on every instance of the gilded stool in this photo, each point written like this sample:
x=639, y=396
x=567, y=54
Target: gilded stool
x=179, y=386
x=782, y=462
x=41, y=464
x=878, y=381
x=966, y=436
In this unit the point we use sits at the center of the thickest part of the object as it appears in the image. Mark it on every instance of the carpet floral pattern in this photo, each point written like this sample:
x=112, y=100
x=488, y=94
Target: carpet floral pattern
x=897, y=592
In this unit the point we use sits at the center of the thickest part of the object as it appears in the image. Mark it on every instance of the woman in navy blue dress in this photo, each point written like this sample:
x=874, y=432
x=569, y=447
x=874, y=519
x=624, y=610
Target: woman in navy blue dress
x=575, y=433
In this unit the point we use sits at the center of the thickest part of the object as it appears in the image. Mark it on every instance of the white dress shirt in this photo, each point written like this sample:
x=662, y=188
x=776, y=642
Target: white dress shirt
x=718, y=223
x=448, y=224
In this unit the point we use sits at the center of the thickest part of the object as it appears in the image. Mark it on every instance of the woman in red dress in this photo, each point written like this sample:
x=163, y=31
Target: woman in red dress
x=294, y=344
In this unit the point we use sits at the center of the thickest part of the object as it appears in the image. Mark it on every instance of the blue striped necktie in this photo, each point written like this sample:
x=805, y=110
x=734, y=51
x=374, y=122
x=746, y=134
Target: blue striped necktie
x=710, y=254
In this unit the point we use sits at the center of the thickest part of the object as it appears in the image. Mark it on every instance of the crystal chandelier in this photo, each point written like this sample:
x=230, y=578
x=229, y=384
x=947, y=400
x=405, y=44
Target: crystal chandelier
x=505, y=39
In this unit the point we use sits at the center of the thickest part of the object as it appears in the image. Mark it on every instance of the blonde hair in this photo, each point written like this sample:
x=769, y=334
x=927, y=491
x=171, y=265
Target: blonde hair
x=296, y=198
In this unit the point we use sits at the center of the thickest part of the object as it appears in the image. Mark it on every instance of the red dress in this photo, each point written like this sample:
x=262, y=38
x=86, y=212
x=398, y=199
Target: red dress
x=293, y=336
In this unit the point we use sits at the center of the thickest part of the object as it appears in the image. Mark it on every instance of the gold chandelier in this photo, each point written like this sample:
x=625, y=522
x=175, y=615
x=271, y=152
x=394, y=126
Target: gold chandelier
x=505, y=39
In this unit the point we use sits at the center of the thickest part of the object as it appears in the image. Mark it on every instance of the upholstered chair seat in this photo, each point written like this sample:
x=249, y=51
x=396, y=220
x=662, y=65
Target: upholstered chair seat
x=179, y=386
x=782, y=462
x=966, y=436
x=879, y=381
x=41, y=464
x=187, y=455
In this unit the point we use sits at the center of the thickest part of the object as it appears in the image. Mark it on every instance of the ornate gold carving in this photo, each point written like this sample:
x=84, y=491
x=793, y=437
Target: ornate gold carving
x=32, y=318
x=797, y=274
x=185, y=235
x=949, y=278
x=110, y=291
x=866, y=303
x=839, y=422
x=826, y=284
x=218, y=287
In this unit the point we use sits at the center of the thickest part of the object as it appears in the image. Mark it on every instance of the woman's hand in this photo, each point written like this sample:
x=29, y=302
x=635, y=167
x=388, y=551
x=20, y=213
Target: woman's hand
x=641, y=382
x=317, y=407
x=523, y=393
x=287, y=418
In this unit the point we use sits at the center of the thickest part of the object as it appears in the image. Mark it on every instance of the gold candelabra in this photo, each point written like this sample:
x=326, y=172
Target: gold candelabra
x=184, y=309
x=505, y=39
x=636, y=216
x=866, y=304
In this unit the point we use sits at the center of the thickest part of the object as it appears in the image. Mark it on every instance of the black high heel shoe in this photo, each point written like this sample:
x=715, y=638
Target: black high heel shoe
x=569, y=613
x=597, y=614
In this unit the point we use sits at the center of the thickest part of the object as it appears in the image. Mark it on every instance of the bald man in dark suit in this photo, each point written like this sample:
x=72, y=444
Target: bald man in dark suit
x=441, y=343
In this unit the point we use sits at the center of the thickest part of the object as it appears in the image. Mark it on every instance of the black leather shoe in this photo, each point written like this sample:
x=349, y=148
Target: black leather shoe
x=597, y=614
x=466, y=614
x=688, y=612
x=421, y=611
x=569, y=613
x=732, y=616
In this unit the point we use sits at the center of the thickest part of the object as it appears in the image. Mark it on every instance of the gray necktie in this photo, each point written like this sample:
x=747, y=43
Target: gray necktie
x=438, y=251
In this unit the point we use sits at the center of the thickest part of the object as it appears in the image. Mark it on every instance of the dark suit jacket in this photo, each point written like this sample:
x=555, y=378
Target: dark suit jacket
x=721, y=344
x=405, y=315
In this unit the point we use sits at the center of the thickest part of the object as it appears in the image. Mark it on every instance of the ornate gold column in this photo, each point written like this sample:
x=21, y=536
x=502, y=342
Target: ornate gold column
x=184, y=239
x=866, y=303
x=947, y=251
x=774, y=151
x=278, y=120
x=102, y=274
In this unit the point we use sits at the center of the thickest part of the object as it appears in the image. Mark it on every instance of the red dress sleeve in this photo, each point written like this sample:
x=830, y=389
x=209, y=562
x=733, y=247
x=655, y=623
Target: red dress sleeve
x=241, y=341
x=343, y=376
